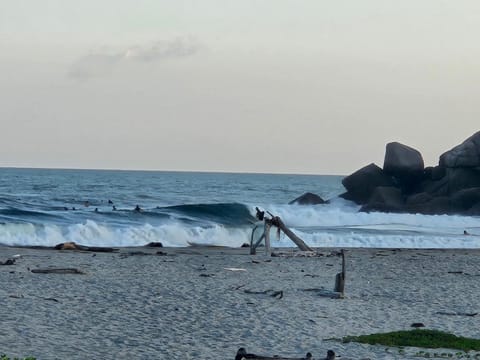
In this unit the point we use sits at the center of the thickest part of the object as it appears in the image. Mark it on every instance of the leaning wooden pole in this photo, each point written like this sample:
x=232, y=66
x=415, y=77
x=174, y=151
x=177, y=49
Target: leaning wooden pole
x=299, y=242
x=277, y=222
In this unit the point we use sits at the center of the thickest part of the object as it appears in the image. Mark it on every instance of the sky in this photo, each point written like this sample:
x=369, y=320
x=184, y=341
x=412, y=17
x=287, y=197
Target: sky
x=272, y=86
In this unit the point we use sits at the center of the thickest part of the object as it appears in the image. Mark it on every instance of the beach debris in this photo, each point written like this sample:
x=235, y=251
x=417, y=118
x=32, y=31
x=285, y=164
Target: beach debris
x=51, y=299
x=70, y=245
x=296, y=254
x=206, y=275
x=16, y=296
x=242, y=354
x=339, y=289
x=57, y=271
x=274, y=221
x=325, y=293
x=417, y=325
x=455, y=313
x=273, y=293
x=133, y=253
x=234, y=269
x=8, y=262
x=238, y=287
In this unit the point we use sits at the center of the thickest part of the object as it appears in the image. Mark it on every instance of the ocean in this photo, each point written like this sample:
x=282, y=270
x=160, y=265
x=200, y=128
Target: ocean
x=44, y=207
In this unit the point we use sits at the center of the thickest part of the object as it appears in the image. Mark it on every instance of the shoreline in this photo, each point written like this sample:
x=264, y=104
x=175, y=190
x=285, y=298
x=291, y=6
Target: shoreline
x=206, y=302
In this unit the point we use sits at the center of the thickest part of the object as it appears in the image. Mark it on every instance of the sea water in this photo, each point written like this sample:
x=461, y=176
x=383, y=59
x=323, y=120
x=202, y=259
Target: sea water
x=44, y=207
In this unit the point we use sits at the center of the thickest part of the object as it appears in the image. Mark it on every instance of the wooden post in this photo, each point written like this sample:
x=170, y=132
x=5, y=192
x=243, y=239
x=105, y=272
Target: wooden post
x=268, y=251
x=253, y=247
x=277, y=222
x=340, y=277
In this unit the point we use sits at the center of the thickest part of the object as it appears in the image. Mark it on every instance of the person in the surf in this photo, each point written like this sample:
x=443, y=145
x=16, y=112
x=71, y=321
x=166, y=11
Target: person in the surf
x=260, y=214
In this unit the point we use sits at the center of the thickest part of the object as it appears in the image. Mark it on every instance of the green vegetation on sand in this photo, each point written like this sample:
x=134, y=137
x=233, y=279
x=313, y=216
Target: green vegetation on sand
x=430, y=339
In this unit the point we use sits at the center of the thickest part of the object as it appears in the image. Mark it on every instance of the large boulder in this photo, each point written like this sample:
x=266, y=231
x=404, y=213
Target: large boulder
x=462, y=178
x=362, y=183
x=466, y=199
x=455, y=179
x=415, y=203
x=385, y=199
x=437, y=206
x=402, y=161
x=434, y=173
x=467, y=154
x=308, y=199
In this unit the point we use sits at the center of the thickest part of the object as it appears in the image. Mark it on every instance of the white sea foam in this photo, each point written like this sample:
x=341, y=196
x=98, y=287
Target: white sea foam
x=335, y=225
x=91, y=233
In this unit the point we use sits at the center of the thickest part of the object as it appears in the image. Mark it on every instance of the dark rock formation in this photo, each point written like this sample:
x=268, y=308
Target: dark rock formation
x=308, y=199
x=154, y=244
x=404, y=185
x=404, y=163
x=434, y=173
x=467, y=154
x=362, y=183
x=386, y=199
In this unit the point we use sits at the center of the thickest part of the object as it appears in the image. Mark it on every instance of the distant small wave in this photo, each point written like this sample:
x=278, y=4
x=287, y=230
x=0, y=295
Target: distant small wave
x=14, y=212
x=233, y=214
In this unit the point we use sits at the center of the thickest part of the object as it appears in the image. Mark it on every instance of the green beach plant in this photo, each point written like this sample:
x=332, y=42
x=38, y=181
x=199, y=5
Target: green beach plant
x=423, y=338
x=5, y=357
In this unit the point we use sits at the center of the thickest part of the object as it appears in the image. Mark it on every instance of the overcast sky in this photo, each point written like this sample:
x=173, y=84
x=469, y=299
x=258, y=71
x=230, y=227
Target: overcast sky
x=282, y=86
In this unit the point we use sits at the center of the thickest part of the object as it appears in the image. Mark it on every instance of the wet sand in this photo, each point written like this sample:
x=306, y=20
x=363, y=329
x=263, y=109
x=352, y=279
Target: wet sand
x=205, y=303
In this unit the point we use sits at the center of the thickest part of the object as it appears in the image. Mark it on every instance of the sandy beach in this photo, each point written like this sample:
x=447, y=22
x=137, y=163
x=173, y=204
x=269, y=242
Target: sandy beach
x=205, y=303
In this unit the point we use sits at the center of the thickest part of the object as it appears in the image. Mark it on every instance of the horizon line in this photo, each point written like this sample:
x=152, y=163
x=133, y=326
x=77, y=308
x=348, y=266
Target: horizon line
x=165, y=170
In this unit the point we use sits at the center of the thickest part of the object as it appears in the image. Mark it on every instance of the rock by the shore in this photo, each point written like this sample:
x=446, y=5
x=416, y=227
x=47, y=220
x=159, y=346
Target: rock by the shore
x=402, y=161
x=308, y=199
x=404, y=164
x=362, y=183
x=385, y=198
x=404, y=185
x=467, y=154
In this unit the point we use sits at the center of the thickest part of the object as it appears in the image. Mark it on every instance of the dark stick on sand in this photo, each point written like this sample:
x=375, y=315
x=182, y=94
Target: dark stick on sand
x=57, y=271
x=242, y=354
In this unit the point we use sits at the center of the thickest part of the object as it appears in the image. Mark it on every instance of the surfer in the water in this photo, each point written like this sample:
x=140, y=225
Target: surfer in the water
x=137, y=209
x=260, y=214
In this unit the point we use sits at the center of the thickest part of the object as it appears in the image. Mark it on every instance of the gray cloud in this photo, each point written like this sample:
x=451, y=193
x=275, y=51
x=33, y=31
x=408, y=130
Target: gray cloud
x=102, y=61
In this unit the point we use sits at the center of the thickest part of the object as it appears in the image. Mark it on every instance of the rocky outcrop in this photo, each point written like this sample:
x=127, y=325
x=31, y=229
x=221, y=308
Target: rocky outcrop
x=404, y=164
x=386, y=199
x=402, y=161
x=404, y=185
x=465, y=155
x=362, y=183
x=308, y=199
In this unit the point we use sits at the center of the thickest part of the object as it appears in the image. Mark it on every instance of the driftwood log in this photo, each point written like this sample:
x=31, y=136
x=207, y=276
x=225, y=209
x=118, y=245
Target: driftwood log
x=70, y=245
x=274, y=221
x=242, y=354
x=8, y=262
x=57, y=271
